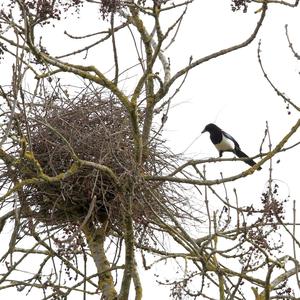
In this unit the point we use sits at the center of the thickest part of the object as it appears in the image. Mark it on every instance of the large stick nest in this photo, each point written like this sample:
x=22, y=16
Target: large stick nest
x=98, y=130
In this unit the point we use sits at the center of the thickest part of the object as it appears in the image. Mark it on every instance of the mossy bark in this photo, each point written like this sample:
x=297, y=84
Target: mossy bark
x=95, y=238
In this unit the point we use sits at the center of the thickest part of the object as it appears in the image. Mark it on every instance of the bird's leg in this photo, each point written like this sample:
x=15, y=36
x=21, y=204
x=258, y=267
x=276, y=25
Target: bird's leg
x=220, y=153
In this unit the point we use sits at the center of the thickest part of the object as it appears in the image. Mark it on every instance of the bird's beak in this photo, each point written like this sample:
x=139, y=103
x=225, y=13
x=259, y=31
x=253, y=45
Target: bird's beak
x=204, y=130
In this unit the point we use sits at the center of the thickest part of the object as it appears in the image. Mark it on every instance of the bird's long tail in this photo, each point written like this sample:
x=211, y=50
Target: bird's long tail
x=249, y=161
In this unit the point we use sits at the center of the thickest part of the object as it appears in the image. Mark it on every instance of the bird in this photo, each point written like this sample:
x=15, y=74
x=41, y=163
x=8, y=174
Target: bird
x=224, y=142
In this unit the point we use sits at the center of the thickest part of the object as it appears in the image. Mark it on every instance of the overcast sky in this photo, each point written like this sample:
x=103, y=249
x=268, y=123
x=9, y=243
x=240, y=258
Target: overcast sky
x=229, y=91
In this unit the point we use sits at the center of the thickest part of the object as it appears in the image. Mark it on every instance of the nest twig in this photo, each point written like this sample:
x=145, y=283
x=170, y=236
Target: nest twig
x=98, y=130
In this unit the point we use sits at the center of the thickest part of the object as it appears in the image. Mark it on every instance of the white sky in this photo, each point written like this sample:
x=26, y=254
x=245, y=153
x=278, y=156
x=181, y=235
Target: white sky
x=230, y=91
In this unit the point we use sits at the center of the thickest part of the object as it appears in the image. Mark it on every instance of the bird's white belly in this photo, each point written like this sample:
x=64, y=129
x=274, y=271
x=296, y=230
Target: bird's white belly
x=225, y=145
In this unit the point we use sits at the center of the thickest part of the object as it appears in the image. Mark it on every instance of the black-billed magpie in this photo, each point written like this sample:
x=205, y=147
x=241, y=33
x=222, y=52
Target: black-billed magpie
x=224, y=142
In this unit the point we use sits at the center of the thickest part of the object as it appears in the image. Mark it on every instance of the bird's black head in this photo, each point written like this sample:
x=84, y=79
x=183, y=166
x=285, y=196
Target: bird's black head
x=211, y=128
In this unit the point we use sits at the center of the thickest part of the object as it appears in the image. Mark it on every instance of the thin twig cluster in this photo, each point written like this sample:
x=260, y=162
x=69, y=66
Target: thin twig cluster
x=97, y=130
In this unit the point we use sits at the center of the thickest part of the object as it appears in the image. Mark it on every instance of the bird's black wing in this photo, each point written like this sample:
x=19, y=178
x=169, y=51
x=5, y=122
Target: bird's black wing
x=227, y=135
